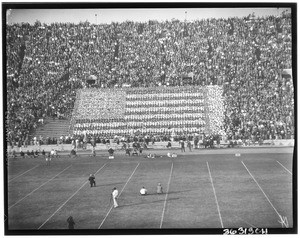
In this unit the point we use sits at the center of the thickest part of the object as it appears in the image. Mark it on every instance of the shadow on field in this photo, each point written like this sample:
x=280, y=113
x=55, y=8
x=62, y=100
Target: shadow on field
x=140, y=203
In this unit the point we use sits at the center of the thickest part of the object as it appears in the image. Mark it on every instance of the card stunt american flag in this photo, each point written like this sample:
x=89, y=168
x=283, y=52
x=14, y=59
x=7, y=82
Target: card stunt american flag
x=160, y=110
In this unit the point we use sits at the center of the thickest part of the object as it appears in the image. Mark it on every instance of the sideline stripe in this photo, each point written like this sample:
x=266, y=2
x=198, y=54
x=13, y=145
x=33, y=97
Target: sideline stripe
x=163, y=213
x=262, y=190
x=118, y=196
x=38, y=188
x=211, y=180
x=68, y=200
x=284, y=167
x=22, y=173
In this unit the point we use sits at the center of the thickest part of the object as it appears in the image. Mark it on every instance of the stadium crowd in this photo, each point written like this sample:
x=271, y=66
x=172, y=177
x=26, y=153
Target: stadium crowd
x=47, y=64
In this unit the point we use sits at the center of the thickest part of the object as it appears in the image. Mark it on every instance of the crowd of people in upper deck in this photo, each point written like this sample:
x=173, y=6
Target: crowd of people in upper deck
x=46, y=64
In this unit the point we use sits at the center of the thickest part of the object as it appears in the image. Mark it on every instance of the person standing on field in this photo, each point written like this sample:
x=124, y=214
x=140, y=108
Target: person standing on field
x=92, y=180
x=71, y=222
x=44, y=154
x=189, y=145
x=159, y=188
x=52, y=153
x=76, y=144
x=182, y=146
x=93, y=151
x=114, y=196
x=48, y=159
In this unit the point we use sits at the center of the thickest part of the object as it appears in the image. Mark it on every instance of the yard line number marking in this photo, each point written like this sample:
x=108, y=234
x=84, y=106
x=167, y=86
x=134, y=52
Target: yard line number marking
x=282, y=219
x=38, y=188
x=163, y=212
x=22, y=173
x=68, y=199
x=118, y=196
x=284, y=167
x=211, y=180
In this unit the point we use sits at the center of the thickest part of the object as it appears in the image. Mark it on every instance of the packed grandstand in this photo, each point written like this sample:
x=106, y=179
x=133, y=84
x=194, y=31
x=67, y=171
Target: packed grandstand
x=215, y=76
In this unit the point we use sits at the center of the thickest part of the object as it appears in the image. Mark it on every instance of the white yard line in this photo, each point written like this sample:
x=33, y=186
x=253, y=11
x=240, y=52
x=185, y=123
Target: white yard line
x=68, y=200
x=211, y=180
x=284, y=167
x=262, y=190
x=38, y=188
x=23, y=173
x=163, y=212
x=118, y=196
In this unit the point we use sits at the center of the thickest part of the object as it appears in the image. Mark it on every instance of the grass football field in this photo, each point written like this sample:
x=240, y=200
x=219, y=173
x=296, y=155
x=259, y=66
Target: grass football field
x=202, y=189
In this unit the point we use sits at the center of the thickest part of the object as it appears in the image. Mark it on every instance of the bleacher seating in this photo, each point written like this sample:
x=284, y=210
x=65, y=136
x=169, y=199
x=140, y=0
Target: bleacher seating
x=53, y=128
x=47, y=64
